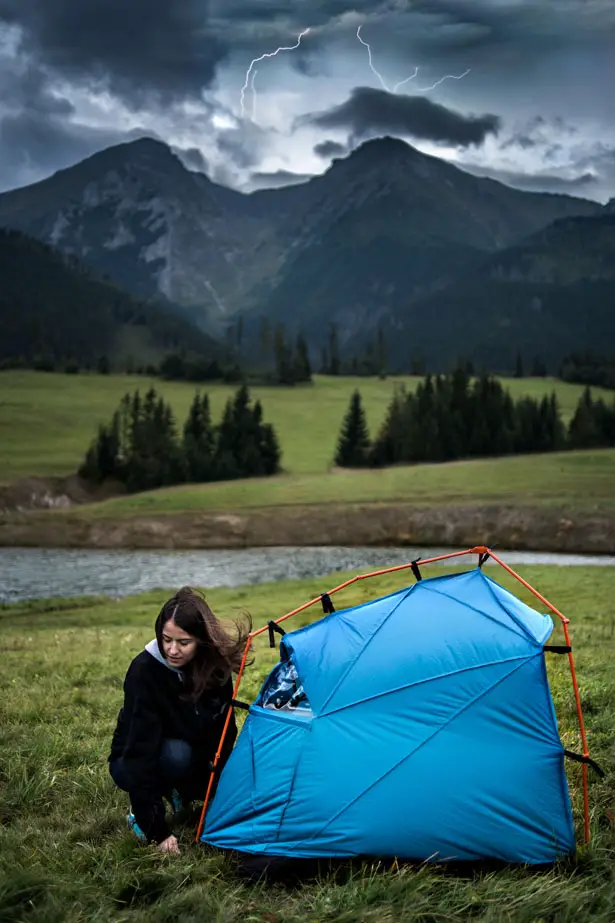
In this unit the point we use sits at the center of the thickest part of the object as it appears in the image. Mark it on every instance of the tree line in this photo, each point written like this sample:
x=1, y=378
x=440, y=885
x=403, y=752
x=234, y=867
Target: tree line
x=450, y=417
x=588, y=369
x=142, y=448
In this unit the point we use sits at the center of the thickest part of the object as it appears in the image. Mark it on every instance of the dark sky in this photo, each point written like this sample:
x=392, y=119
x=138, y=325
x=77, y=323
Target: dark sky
x=528, y=96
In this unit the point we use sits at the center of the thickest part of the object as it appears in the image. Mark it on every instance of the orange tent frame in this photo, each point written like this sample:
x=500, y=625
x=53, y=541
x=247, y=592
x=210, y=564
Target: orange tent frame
x=477, y=549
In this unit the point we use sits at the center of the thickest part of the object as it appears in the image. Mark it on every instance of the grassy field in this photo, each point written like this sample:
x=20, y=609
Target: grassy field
x=47, y=421
x=66, y=855
x=576, y=480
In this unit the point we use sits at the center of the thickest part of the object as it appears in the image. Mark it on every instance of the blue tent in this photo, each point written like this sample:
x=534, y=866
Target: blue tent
x=419, y=725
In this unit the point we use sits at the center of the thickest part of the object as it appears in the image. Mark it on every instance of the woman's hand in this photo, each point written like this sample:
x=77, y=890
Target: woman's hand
x=169, y=845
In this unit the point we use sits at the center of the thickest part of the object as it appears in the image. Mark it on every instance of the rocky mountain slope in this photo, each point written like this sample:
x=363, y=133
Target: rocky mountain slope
x=136, y=214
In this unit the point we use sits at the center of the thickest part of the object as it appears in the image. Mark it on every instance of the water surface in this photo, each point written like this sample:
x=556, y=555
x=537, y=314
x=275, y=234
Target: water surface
x=30, y=573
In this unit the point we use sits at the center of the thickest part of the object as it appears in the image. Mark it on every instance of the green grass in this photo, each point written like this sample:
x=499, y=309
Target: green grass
x=66, y=855
x=575, y=480
x=47, y=421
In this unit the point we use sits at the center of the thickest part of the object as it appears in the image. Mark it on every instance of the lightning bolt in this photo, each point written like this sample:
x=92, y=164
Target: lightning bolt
x=371, y=63
x=401, y=82
x=253, y=88
x=407, y=79
x=268, y=54
x=442, y=79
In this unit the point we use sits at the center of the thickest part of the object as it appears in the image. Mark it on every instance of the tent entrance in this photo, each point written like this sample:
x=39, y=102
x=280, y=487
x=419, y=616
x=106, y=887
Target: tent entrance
x=283, y=691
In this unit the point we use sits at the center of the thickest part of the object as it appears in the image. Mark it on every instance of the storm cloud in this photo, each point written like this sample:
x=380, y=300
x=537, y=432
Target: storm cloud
x=277, y=179
x=369, y=111
x=330, y=149
x=136, y=48
x=79, y=75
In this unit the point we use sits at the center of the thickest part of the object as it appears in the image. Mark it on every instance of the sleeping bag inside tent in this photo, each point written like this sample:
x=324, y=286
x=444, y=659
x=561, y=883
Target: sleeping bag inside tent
x=419, y=725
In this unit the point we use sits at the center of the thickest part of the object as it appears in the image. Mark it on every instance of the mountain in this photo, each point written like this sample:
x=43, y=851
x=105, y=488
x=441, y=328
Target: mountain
x=548, y=296
x=134, y=213
x=388, y=225
x=54, y=311
x=380, y=230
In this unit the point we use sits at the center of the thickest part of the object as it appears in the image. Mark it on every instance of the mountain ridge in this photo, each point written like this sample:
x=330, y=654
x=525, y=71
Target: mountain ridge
x=379, y=230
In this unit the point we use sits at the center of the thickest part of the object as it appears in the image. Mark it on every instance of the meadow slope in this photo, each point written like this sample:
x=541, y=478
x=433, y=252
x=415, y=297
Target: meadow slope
x=47, y=420
x=560, y=501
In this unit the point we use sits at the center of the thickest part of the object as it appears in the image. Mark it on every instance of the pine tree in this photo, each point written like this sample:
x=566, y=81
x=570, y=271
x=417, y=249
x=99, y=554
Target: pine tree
x=584, y=431
x=198, y=441
x=284, y=371
x=302, y=367
x=539, y=369
x=270, y=453
x=518, y=365
x=225, y=463
x=264, y=340
x=388, y=447
x=140, y=446
x=381, y=352
x=334, y=353
x=353, y=443
x=324, y=361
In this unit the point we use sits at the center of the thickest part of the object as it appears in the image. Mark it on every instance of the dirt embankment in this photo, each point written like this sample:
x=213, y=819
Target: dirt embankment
x=51, y=493
x=512, y=527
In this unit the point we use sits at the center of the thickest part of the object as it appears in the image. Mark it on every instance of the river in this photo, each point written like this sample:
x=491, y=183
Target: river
x=31, y=573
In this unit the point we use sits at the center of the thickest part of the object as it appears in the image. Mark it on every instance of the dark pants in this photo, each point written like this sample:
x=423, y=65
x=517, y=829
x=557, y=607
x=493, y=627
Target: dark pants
x=174, y=763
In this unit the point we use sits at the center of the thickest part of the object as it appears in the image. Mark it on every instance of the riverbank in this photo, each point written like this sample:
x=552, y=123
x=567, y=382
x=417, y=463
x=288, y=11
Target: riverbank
x=513, y=526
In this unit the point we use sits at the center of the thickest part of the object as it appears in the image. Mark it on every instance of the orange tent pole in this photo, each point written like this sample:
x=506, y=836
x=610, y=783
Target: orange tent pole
x=477, y=549
x=229, y=712
x=575, y=684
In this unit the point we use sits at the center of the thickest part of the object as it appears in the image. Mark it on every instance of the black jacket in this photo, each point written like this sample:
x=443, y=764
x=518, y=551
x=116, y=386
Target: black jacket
x=154, y=711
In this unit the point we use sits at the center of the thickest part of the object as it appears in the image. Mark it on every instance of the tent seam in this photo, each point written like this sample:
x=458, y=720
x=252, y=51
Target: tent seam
x=505, y=609
x=462, y=602
x=362, y=651
x=429, y=679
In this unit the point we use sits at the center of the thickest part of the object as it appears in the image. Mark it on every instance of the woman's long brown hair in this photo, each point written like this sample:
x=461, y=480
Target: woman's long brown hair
x=218, y=654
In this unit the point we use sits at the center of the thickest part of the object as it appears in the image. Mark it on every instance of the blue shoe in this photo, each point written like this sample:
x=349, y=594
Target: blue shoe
x=130, y=820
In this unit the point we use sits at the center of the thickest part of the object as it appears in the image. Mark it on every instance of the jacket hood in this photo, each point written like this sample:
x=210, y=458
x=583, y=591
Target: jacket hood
x=153, y=649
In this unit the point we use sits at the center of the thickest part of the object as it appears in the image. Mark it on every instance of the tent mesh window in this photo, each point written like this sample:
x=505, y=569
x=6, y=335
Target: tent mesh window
x=284, y=692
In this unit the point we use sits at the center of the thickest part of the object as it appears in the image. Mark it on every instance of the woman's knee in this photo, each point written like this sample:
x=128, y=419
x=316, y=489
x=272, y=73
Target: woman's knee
x=175, y=757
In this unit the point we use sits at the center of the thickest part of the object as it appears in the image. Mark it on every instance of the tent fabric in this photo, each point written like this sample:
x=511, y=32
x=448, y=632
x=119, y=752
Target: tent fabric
x=430, y=734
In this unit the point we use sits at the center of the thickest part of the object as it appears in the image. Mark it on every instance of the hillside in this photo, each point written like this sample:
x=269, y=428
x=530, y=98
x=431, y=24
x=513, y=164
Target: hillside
x=53, y=310
x=383, y=226
x=550, y=294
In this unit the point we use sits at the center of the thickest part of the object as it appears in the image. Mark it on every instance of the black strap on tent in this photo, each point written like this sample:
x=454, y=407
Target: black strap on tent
x=273, y=626
x=327, y=605
x=579, y=758
x=237, y=704
x=483, y=557
x=415, y=569
x=557, y=648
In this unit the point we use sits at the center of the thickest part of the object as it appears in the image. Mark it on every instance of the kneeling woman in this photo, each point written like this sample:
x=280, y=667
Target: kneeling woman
x=176, y=695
